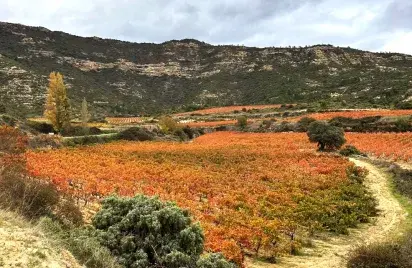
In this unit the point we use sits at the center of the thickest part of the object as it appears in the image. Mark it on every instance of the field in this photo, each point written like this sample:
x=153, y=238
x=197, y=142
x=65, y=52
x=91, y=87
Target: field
x=123, y=120
x=210, y=124
x=252, y=193
x=394, y=146
x=229, y=109
x=354, y=114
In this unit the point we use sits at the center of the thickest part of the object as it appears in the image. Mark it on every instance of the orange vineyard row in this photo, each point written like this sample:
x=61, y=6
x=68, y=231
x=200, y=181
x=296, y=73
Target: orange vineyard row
x=229, y=109
x=354, y=114
x=243, y=188
x=394, y=146
x=123, y=120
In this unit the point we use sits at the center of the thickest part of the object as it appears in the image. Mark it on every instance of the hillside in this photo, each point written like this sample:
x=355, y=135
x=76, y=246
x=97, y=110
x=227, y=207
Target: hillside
x=123, y=78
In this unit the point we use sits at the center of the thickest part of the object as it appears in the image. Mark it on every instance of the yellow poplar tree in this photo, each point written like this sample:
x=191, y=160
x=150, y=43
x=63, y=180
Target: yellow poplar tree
x=57, y=104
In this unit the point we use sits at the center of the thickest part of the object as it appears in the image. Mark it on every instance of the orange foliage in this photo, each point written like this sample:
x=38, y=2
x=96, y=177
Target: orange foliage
x=210, y=124
x=229, y=109
x=242, y=187
x=353, y=114
x=123, y=120
x=394, y=146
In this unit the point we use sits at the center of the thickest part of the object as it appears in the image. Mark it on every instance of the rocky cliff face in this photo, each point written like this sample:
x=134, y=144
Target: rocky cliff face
x=129, y=78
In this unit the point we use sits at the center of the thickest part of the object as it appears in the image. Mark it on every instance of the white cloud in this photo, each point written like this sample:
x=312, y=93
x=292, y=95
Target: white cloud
x=400, y=42
x=364, y=24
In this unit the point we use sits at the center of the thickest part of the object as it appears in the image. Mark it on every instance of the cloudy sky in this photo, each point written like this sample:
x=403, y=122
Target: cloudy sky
x=376, y=25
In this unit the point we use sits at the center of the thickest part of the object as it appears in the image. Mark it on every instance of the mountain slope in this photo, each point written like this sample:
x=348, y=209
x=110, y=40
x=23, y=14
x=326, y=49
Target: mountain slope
x=130, y=78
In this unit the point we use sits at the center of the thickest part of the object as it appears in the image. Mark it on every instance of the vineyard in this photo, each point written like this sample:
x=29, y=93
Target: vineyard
x=252, y=193
x=393, y=146
x=229, y=109
x=210, y=123
x=123, y=120
x=354, y=114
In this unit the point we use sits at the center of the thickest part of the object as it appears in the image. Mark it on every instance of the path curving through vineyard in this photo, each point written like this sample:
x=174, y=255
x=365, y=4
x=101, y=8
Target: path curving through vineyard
x=333, y=252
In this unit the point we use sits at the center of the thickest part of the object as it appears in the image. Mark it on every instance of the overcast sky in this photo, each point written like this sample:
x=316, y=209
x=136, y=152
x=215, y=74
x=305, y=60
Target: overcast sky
x=376, y=25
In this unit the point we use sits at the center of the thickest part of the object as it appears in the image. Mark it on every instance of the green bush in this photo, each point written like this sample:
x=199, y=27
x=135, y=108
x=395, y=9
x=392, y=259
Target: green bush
x=395, y=255
x=136, y=134
x=145, y=232
x=349, y=150
x=75, y=131
x=242, y=122
x=8, y=120
x=181, y=134
x=86, y=140
x=168, y=124
x=303, y=124
x=327, y=136
x=41, y=127
x=403, y=180
x=81, y=242
x=214, y=260
x=403, y=125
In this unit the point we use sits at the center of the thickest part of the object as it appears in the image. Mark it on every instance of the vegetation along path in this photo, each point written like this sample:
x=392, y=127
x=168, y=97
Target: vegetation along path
x=334, y=251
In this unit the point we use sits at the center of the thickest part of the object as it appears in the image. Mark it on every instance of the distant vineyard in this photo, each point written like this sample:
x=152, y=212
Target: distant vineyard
x=354, y=114
x=249, y=191
x=123, y=120
x=210, y=124
x=229, y=109
x=395, y=146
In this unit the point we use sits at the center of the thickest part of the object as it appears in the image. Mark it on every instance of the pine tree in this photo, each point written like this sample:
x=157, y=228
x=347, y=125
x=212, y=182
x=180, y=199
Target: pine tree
x=85, y=115
x=57, y=103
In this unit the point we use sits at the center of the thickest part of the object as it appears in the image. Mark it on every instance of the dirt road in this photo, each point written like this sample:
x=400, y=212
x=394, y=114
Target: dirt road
x=334, y=251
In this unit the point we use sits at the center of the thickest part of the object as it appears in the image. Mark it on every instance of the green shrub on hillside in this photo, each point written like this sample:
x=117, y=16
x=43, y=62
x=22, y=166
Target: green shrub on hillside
x=303, y=124
x=242, y=122
x=136, y=134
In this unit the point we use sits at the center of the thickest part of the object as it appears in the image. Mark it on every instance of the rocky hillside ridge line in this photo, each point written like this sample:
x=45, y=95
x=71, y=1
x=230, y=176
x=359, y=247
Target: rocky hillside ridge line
x=130, y=78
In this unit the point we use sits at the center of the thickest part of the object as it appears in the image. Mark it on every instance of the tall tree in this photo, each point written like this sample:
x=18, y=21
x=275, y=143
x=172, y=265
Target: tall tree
x=57, y=103
x=85, y=115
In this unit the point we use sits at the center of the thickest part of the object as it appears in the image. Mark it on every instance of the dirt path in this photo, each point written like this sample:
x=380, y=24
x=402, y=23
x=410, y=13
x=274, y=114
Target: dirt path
x=333, y=252
x=24, y=245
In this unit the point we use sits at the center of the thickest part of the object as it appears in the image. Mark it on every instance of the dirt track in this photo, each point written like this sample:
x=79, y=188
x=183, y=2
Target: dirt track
x=334, y=251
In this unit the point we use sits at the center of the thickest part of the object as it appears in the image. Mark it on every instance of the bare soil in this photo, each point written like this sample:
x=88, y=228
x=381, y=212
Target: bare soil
x=23, y=245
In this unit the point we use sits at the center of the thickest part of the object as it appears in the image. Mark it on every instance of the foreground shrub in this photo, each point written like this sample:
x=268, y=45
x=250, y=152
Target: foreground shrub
x=394, y=255
x=30, y=197
x=81, y=242
x=145, y=232
x=136, y=134
x=327, y=136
